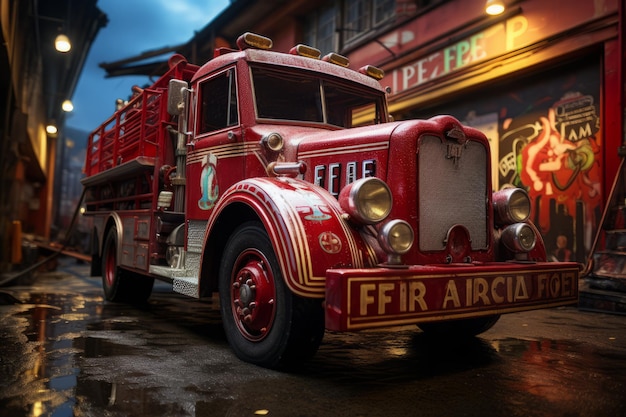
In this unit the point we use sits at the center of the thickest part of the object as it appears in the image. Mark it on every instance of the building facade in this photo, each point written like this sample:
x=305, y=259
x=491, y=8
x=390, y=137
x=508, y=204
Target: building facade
x=35, y=80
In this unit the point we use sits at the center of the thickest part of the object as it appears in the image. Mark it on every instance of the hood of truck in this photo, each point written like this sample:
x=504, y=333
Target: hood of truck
x=323, y=145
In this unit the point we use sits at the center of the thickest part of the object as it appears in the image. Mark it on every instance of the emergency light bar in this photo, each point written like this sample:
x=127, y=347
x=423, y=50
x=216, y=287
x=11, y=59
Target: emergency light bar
x=337, y=59
x=372, y=71
x=252, y=40
x=305, y=51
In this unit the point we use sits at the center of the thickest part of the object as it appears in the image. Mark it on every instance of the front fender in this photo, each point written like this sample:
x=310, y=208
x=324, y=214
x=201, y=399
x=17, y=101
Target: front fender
x=304, y=223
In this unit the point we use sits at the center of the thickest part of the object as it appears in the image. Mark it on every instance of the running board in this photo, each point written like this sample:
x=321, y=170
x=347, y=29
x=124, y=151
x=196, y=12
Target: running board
x=181, y=282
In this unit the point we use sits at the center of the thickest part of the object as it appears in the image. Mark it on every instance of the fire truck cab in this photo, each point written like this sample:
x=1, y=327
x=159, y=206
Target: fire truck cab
x=278, y=181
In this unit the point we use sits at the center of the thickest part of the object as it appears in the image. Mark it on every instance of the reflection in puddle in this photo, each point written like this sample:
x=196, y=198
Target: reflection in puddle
x=38, y=357
x=565, y=374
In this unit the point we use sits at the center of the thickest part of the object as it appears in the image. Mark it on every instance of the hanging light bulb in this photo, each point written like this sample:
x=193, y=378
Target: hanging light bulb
x=494, y=7
x=51, y=129
x=62, y=43
x=67, y=106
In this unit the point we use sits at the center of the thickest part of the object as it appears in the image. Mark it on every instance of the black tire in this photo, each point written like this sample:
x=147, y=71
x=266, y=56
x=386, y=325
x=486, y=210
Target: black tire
x=460, y=328
x=121, y=285
x=265, y=323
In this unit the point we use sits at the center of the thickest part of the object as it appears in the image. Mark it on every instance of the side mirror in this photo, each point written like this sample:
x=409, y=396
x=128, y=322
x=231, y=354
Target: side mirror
x=176, y=97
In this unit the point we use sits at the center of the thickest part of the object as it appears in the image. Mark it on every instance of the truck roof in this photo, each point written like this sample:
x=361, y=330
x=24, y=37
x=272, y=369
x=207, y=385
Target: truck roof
x=287, y=61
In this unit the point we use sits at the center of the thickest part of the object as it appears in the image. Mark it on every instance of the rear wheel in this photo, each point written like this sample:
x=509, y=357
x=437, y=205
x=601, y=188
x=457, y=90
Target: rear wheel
x=264, y=322
x=460, y=328
x=121, y=285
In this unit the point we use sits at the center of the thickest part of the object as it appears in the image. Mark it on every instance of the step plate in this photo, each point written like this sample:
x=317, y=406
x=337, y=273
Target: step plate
x=187, y=286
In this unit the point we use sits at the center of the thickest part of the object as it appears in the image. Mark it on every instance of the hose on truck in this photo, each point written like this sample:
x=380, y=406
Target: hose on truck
x=64, y=244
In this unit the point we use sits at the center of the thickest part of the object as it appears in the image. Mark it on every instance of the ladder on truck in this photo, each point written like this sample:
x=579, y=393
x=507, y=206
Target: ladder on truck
x=604, y=286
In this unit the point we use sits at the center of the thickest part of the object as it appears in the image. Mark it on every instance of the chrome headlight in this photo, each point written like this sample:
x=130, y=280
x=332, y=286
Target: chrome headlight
x=511, y=205
x=273, y=141
x=519, y=237
x=396, y=236
x=367, y=200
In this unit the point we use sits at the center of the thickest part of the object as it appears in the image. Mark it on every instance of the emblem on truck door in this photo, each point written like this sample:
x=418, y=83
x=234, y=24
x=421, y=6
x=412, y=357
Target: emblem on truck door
x=208, y=182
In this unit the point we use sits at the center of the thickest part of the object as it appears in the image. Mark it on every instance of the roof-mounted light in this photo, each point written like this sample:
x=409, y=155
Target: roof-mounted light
x=337, y=59
x=252, y=40
x=306, y=51
x=372, y=71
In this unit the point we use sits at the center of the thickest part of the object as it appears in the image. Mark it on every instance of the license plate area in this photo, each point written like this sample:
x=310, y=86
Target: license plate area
x=360, y=299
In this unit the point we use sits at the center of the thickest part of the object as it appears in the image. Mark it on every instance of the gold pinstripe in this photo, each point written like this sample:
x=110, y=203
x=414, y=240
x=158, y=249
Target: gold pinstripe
x=224, y=151
x=296, y=236
x=345, y=149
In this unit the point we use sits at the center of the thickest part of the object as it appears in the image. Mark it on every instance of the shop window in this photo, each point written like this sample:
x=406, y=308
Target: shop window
x=351, y=18
x=357, y=18
x=320, y=29
x=383, y=10
x=361, y=16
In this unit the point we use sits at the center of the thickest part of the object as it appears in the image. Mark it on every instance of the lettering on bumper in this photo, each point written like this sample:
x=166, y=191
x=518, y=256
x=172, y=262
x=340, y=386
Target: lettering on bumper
x=385, y=296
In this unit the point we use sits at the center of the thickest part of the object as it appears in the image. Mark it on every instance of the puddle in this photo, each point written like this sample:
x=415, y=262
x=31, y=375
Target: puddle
x=73, y=355
x=39, y=360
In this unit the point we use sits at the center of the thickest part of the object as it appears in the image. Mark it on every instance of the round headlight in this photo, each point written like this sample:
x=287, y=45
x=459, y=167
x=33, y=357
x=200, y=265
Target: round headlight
x=511, y=205
x=367, y=200
x=519, y=237
x=273, y=142
x=396, y=236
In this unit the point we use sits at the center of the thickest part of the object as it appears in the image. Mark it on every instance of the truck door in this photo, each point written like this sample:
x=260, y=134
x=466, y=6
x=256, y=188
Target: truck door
x=215, y=157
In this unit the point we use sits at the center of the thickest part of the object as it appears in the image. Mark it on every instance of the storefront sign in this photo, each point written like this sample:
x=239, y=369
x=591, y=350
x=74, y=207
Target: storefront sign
x=487, y=44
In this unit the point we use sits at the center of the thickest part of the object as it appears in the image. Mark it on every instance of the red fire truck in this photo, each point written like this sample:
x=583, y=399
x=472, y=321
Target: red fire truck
x=278, y=181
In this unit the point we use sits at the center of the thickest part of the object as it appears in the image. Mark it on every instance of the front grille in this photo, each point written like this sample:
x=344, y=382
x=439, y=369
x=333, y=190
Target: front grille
x=452, y=189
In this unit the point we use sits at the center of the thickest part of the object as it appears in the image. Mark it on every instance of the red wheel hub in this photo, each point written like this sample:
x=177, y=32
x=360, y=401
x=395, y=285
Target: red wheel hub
x=253, y=295
x=110, y=266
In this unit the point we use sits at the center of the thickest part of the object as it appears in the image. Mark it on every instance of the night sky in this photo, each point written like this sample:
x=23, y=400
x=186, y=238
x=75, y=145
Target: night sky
x=135, y=26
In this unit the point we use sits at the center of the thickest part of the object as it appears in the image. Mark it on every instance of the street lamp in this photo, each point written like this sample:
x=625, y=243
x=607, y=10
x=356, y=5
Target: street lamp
x=67, y=106
x=494, y=7
x=51, y=129
x=62, y=43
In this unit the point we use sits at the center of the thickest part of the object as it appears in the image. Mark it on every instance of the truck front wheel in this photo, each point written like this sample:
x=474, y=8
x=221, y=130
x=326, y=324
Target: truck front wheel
x=264, y=322
x=121, y=285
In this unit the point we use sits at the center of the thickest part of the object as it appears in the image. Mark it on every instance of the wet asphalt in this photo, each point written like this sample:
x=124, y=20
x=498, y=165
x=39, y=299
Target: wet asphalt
x=64, y=351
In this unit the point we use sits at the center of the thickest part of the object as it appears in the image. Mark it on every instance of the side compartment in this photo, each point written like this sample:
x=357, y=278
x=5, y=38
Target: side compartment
x=136, y=241
x=127, y=191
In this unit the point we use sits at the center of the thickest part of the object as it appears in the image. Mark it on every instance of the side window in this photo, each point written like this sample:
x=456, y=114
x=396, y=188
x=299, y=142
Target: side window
x=219, y=102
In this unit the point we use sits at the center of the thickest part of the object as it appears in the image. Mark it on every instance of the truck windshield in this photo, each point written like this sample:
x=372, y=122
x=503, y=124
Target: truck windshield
x=307, y=98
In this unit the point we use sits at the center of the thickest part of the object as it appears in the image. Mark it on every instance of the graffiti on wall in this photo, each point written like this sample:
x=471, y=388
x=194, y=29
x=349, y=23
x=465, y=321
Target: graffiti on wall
x=556, y=157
